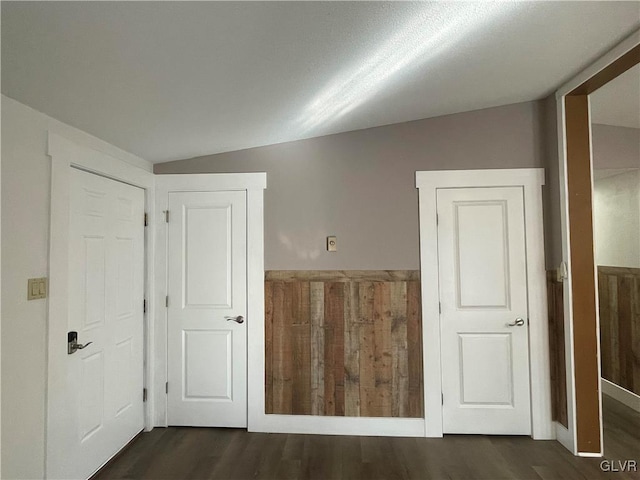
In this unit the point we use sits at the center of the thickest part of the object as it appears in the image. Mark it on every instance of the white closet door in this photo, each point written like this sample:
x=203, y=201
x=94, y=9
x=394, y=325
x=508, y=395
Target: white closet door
x=483, y=296
x=207, y=336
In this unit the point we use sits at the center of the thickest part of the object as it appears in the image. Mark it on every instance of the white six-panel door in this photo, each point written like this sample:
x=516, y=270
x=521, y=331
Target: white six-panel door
x=207, y=339
x=483, y=296
x=105, y=379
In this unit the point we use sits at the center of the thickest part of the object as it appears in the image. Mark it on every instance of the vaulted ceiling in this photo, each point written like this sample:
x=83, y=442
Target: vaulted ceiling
x=172, y=80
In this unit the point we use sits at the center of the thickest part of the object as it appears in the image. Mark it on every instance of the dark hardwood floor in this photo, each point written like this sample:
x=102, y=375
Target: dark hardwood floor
x=216, y=453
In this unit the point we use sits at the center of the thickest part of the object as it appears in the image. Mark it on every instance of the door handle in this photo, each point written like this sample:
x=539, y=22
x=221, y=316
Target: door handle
x=238, y=319
x=518, y=323
x=72, y=343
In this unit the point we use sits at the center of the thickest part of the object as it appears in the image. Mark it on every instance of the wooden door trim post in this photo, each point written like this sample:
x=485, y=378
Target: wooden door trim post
x=584, y=435
x=584, y=302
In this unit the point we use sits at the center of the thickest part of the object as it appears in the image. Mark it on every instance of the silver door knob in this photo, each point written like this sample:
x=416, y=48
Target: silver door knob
x=238, y=319
x=518, y=323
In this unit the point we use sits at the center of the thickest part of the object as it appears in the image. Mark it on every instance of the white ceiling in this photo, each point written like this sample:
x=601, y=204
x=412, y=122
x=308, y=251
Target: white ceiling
x=172, y=80
x=618, y=102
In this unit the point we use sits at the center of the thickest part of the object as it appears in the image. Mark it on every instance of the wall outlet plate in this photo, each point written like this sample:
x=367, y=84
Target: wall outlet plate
x=332, y=244
x=37, y=288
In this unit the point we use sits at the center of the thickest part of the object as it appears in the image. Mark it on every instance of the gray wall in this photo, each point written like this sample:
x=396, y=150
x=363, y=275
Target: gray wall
x=615, y=147
x=360, y=186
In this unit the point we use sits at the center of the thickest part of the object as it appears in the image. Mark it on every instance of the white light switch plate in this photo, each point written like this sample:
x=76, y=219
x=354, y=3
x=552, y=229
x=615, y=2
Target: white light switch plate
x=37, y=288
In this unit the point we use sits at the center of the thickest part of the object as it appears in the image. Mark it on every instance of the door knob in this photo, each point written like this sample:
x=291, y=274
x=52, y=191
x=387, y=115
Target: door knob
x=238, y=319
x=72, y=343
x=518, y=323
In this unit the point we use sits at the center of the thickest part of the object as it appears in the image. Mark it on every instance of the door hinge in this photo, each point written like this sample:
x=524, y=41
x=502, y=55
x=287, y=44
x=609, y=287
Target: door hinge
x=166, y=301
x=166, y=216
x=439, y=307
x=437, y=219
x=442, y=398
x=146, y=220
x=144, y=394
x=166, y=388
x=144, y=306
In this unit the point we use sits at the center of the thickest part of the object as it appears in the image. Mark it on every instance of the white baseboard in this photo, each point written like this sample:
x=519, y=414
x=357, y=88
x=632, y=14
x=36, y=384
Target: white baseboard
x=590, y=455
x=361, y=426
x=623, y=395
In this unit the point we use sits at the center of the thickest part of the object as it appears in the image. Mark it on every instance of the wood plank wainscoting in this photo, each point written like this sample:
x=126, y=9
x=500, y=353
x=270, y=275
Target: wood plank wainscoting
x=619, y=293
x=343, y=343
x=556, y=349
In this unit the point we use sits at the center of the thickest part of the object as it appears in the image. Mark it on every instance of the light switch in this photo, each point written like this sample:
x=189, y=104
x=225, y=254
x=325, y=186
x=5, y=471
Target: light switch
x=36, y=288
x=332, y=244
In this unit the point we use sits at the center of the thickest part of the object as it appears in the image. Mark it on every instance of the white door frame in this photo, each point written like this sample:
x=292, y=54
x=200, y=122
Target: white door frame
x=531, y=180
x=66, y=154
x=254, y=184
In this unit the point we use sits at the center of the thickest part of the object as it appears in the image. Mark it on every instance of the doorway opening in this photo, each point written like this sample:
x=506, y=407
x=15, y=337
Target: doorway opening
x=615, y=127
x=580, y=287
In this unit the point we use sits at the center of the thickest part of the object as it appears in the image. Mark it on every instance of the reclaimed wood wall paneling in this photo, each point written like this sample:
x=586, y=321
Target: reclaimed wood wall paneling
x=557, y=349
x=350, y=347
x=619, y=298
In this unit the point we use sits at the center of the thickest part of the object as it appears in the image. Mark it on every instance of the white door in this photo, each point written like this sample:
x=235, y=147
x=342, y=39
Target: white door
x=105, y=379
x=483, y=321
x=207, y=336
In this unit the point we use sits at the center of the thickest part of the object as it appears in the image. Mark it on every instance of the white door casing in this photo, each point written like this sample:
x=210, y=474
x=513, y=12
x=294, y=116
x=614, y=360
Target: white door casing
x=114, y=164
x=531, y=181
x=484, y=314
x=105, y=379
x=207, y=283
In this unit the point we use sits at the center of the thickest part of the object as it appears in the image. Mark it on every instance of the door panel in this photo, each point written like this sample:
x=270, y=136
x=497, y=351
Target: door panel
x=207, y=278
x=481, y=353
x=483, y=256
x=106, y=267
x=482, y=268
x=213, y=349
x=207, y=287
x=91, y=395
